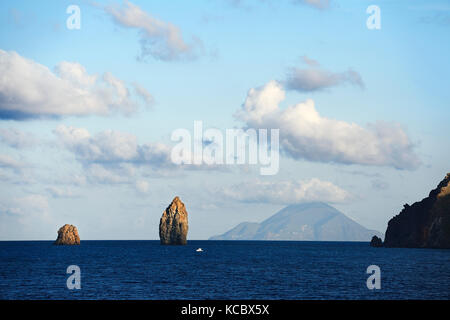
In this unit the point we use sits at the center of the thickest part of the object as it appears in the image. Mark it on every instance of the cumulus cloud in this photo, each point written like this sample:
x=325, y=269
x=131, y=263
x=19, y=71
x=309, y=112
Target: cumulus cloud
x=144, y=94
x=16, y=138
x=26, y=207
x=159, y=39
x=112, y=147
x=110, y=155
x=15, y=171
x=6, y=161
x=29, y=90
x=305, y=134
x=120, y=173
x=315, y=78
x=61, y=192
x=287, y=192
x=310, y=62
x=116, y=158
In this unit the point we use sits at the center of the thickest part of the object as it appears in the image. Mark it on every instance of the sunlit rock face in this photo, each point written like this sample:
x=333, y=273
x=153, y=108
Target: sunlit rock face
x=68, y=235
x=173, y=226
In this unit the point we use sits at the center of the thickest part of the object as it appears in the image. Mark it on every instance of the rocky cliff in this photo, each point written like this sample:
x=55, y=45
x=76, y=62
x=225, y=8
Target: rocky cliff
x=68, y=235
x=173, y=226
x=425, y=224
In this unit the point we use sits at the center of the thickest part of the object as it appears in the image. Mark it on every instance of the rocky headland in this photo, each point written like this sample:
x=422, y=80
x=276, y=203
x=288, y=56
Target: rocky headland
x=424, y=224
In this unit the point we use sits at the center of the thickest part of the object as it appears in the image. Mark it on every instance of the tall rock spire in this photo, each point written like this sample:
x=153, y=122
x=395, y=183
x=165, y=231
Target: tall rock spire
x=173, y=226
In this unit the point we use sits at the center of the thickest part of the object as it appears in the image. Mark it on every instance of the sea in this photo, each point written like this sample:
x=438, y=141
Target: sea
x=223, y=270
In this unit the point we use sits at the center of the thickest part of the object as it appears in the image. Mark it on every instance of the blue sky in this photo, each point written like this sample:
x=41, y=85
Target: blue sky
x=49, y=177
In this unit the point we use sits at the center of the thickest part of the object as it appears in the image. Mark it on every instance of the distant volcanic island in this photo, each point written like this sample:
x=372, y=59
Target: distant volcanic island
x=173, y=226
x=67, y=235
x=312, y=221
x=425, y=224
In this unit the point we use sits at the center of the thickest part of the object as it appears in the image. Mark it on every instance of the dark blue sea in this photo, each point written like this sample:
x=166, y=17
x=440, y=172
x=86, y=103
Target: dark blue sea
x=224, y=270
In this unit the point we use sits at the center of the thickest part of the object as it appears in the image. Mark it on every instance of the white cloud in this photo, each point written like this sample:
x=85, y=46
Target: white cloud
x=310, y=62
x=29, y=89
x=113, y=157
x=143, y=187
x=61, y=192
x=106, y=146
x=160, y=39
x=109, y=151
x=144, y=94
x=117, y=174
x=76, y=74
x=305, y=134
x=111, y=148
x=287, y=192
x=315, y=78
x=27, y=206
x=6, y=161
x=16, y=138
x=15, y=171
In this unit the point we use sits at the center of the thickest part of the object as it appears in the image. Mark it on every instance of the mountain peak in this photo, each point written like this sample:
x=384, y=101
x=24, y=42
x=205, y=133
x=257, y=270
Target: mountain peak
x=311, y=221
x=310, y=204
x=177, y=203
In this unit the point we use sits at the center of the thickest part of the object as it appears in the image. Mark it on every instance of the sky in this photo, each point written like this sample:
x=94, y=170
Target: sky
x=87, y=114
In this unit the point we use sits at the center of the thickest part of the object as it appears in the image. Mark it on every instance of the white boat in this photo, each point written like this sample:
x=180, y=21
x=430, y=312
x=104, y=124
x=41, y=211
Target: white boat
x=199, y=250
